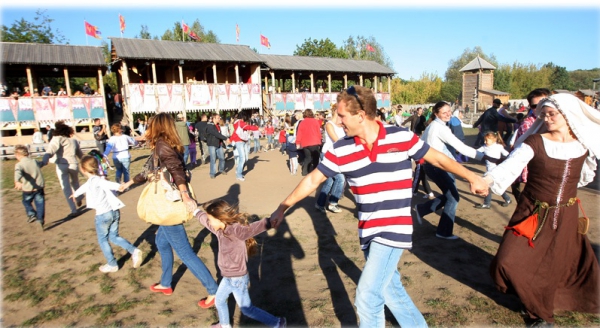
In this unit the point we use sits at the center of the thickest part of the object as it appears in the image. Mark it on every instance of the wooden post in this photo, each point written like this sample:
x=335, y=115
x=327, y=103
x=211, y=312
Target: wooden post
x=345, y=81
x=180, y=74
x=360, y=78
x=67, y=82
x=153, y=72
x=214, y=67
x=293, y=82
x=273, y=80
x=329, y=83
x=226, y=74
x=237, y=74
x=29, y=80
x=312, y=83
x=375, y=82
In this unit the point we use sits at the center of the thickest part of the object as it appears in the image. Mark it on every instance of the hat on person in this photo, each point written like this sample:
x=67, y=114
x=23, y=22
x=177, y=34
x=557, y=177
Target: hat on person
x=497, y=101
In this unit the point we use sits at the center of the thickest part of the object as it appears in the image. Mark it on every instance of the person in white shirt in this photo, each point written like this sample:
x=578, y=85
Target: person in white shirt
x=119, y=144
x=38, y=139
x=100, y=196
x=439, y=137
x=494, y=150
x=398, y=119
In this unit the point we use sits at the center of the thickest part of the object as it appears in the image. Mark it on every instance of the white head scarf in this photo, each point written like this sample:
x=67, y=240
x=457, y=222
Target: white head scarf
x=582, y=119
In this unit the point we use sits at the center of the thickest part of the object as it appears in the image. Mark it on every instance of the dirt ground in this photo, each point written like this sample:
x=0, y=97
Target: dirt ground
x=307, y=270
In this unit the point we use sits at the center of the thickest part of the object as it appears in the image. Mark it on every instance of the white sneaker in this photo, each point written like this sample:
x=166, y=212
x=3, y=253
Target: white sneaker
x=430, y=195
x=334, y=208
x=108, y=268
x=136, y=258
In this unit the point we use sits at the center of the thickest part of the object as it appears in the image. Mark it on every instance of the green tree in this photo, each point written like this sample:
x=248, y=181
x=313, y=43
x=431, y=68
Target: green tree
x=176, y=33
x=560, y=78
x=356, y=48
x=38, y=31
x=502, y=78
x=319, y=48
x=583, y=79
x=144, y=33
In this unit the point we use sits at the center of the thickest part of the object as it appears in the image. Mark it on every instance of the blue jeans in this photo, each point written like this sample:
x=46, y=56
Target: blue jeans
x=169, y=238
x=240, y=149
x=270, y=140
x=216, y=152
x=256, y=145
x=380, y=285
x=448, y=199
x=488, y=198
x=333, y=186
x=186, y=154
x=36, y=197
x=107, y=229
x=239, y=287
x=121, y=168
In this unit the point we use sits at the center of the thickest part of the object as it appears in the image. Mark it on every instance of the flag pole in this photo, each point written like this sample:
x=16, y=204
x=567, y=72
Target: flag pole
x=86, y=35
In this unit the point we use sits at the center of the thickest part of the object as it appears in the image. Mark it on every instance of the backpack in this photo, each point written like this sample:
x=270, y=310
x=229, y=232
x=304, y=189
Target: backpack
x=103, y=163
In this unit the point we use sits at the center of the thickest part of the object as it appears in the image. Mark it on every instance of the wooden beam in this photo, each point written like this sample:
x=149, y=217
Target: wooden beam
x=237, y=74
x=329, y=82
x=214, y=67
x=180, y=74
x=312, y=83
x=345, y=81
x=29, y=80
x=154, y=72
x=67, y=82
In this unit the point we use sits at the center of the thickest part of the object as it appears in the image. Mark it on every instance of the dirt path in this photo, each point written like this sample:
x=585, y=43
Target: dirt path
x=306, y=271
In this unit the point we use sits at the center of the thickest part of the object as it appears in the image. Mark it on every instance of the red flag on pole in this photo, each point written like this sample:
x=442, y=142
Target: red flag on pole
x=92, y=30
x=237, y=33
x=185, y=28
x=369, y=48
x=122, y=23
x=194, y=36
x=265, y=41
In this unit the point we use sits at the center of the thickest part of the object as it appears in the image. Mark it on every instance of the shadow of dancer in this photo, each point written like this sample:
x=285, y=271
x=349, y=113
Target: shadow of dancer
x=272, y=278
x=462, y=261
x=331, y=256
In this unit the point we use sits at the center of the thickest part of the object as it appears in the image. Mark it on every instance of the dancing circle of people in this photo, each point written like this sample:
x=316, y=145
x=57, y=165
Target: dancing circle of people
x=549, y=264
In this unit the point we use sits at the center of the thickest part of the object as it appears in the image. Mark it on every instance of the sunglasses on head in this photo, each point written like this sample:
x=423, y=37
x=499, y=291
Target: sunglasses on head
x=352, y=91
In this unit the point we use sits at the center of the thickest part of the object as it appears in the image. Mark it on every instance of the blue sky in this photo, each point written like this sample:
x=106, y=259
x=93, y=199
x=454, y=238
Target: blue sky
x=417, y=39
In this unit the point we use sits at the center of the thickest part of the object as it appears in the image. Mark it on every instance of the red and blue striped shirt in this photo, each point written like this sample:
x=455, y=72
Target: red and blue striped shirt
x=381, y=180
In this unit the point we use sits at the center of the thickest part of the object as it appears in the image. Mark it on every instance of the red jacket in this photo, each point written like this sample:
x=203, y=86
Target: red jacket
x=309, y=133
x=234, y=137
x=282, y=136
x=269, y=130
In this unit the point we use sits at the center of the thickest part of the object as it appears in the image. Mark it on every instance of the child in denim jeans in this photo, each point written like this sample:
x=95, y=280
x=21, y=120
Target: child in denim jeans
x=29, y=179
x=100, y=196
x=236, y=243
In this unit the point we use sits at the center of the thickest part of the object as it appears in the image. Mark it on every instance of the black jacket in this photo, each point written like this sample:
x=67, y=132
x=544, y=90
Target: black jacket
x=489, y=120
x=201, y=128
x=213, y=136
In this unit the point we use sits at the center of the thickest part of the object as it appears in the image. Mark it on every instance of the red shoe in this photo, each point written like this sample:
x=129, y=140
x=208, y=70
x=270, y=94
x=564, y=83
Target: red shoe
x=205, y=305
x=166, y=291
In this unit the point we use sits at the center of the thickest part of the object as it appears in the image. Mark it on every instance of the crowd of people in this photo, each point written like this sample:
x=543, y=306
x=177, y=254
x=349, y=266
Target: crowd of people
x=554, y=151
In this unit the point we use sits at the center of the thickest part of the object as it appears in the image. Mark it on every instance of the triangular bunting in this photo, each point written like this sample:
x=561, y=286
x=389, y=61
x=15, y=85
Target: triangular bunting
x=284, y=97
x=227, y=90
x=189, y=90
x=52, y=104
x=210, y=90
x=169, y=90
x=14, y=107
x=142, y=90
x=304, y=98
x=87, y=102
x=321, y=96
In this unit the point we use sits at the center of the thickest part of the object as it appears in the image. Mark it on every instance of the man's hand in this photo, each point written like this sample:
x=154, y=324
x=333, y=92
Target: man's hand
x=18, y=185
x=277, y=217
x=479, y=186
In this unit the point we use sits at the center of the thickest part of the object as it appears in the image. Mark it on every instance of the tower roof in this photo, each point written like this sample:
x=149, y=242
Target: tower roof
x=477, y=64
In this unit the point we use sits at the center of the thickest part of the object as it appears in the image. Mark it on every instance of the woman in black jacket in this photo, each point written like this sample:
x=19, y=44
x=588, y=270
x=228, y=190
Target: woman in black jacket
x=214, y=141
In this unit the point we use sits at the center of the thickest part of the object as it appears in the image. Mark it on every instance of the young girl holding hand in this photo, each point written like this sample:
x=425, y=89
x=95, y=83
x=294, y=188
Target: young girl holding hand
x=236, y=243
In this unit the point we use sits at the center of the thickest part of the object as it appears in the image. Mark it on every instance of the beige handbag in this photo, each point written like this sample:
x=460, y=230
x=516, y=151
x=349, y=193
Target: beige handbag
x=160, y=202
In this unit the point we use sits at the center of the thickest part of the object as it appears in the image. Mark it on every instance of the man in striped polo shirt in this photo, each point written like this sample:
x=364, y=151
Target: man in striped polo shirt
x=376, y=161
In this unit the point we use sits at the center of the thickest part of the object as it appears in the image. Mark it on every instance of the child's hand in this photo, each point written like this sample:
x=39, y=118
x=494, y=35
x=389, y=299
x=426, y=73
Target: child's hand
x=72, y=197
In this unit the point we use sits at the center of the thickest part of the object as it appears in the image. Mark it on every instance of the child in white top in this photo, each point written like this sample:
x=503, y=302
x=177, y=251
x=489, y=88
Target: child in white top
x=100, y=196
x=493, y=148
x=236, y=243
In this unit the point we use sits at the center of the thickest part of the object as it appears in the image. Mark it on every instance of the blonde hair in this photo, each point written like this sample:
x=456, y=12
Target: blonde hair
x=22, y=150
x=89, y=164
x=162, y=126
x=229, y=214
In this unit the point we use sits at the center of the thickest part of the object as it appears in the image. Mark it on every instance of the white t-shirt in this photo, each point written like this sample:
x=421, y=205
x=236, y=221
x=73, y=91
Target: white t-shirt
x=339, y=132
x=38, y=138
